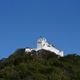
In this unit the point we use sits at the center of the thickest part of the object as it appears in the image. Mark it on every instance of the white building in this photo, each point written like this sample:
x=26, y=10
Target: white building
x=42, y=43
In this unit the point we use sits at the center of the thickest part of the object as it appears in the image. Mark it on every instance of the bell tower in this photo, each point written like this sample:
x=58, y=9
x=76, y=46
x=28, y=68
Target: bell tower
x=40, y=43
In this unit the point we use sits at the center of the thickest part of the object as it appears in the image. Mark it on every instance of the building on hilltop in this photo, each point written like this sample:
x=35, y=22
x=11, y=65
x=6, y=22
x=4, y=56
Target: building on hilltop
x=42, y=43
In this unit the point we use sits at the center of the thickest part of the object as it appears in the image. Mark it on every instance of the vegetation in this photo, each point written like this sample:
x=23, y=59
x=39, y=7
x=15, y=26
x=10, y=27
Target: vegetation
x=41, y=65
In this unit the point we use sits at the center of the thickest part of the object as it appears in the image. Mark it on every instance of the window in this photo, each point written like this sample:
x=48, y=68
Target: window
x=43, y=44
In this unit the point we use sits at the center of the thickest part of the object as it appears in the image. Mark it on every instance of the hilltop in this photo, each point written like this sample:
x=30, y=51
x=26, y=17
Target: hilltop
x=39, y=65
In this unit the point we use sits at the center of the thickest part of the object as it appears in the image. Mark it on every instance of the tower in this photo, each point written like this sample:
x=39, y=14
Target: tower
x=41, y=42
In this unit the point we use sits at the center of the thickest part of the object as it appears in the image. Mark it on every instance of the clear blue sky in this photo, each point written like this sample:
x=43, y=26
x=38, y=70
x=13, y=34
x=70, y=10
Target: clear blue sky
x=23, y=21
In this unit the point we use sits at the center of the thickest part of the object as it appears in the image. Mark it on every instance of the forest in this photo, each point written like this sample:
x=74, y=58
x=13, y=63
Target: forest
x=40, y=65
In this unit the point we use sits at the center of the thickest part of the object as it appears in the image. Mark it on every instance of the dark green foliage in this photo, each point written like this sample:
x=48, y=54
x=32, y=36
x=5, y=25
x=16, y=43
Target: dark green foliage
x=41, y=65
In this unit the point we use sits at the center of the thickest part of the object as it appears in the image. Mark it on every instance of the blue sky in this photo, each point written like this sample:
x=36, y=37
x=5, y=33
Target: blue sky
x=23, y=21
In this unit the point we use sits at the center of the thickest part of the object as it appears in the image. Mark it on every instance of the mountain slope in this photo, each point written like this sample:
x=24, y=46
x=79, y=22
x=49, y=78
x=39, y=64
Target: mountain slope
x=41, y=65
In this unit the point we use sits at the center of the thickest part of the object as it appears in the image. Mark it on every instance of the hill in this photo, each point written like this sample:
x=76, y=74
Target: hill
x=40, y=65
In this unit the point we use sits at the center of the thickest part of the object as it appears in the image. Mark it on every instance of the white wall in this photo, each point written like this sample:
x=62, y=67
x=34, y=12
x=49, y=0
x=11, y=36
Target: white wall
x=43, y=44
